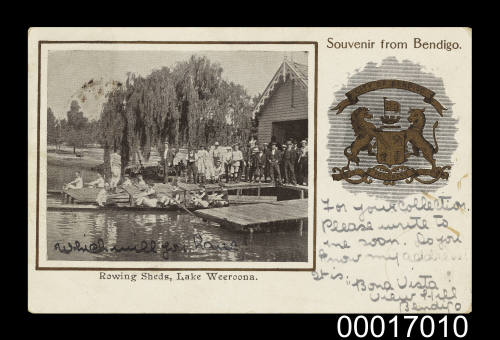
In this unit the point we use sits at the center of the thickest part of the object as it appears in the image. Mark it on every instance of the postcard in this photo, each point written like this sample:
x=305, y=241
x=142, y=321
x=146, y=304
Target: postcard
x=250, y=170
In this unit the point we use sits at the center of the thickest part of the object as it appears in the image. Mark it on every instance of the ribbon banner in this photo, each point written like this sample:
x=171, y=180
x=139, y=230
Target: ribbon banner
x=390, y=176
x=352, y=96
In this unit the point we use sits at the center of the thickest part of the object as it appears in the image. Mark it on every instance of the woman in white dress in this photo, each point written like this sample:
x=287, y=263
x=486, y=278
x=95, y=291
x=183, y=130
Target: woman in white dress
x=115, y=171
x=201, y=163
x=210, y=166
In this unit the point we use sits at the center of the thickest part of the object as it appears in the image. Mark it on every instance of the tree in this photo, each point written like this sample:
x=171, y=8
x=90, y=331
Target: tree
x=187, y=105
x=53, y=133
x=111, y=126
x=75, y=134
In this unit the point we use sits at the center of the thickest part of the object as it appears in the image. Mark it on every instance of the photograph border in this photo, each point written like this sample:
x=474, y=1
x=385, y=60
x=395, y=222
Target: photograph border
x=41, y=42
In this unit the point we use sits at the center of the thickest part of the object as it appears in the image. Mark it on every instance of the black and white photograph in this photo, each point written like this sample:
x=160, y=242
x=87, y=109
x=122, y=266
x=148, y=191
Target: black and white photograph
x=178, y=155
x=253, y=170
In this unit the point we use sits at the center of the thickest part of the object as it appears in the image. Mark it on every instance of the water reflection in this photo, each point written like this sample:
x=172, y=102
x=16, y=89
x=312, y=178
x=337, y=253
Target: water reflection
x=203, y=241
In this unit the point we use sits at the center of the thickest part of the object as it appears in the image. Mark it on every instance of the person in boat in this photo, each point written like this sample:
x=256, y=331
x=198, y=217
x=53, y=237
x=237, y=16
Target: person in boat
x=164, y=201
x=77, y=183
x=148, y=198
x=200, y=198
x=98, y=183
x=102, y=196
x=176, y=193
x=140, y=181
x=168, y=200
x=218, y=199
x=126, y=181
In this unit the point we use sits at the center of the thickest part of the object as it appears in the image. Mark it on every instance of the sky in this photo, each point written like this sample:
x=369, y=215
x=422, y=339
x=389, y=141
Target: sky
x=69, y=70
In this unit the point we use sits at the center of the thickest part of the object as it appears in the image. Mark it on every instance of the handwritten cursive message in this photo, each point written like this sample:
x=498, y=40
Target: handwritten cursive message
x=146, y=246
x=409, y=254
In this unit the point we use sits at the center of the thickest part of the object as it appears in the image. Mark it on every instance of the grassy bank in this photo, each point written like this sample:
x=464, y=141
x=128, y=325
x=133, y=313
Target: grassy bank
x=61, y=167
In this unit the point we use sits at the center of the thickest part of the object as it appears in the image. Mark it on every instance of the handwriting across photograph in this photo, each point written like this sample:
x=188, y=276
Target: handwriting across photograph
x=178, y=155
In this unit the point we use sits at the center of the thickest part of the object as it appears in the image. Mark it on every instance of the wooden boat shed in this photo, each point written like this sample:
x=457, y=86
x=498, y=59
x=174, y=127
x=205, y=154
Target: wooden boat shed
x=282, y=108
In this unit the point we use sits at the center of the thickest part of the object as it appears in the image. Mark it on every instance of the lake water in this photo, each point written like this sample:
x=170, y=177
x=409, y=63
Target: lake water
x=131, y=236
x=162, y=236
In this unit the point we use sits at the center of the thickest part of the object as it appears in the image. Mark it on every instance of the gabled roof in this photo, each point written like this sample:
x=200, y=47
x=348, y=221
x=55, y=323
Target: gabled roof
x=287, y=70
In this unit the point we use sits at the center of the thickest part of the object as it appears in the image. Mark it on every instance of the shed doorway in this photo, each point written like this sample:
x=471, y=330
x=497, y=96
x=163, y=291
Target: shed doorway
x=291, y=129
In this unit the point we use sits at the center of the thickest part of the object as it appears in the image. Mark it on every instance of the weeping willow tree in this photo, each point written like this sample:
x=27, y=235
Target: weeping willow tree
x=187, y=106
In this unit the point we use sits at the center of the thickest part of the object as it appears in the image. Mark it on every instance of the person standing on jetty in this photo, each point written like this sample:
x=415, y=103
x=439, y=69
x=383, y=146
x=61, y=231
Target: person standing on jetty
x=228, y=158
x=218, y=170
x=258, y=164
x=265, y=150
x=274, y=158
x=210, y=166
x=115, y=160
x=168, y=157
x=289, y=160
x=192, y=169
x=237, y=159
x=303, y=163
x=201, y=163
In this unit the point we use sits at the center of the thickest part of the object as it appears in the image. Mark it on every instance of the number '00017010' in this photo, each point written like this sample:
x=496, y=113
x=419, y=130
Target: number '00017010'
x=362, y=327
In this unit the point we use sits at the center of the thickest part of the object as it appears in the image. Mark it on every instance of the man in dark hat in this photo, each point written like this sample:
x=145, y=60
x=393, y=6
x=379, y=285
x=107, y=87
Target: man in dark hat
x=252, y=164
x=259, y=162
x=303, y=163
x=297, y=152
x=274, y=158
x=289, y=160
x=265, y=149
x=192, y=169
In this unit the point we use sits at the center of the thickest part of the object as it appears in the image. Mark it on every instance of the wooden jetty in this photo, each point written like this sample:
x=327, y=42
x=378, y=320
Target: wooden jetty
x=247, y=199
x=121, y=207
x=258, y=217
x=254, y=212
x=287, y=191
x=128, y=193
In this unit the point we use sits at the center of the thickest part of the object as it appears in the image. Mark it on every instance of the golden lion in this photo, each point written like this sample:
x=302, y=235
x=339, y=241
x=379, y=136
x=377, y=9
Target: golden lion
x=415, y=136
x=364, y=132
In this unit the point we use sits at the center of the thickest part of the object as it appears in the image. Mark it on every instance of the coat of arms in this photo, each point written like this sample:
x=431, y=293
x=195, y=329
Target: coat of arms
x=392, y=144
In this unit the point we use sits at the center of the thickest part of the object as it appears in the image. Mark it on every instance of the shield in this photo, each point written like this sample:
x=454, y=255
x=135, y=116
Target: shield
x=391, y=147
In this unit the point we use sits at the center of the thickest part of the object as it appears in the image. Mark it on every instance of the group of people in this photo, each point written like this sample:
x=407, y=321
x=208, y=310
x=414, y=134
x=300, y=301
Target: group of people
x=149, y=197
x=279, y=163
x=77, y=183
x=287, y=163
